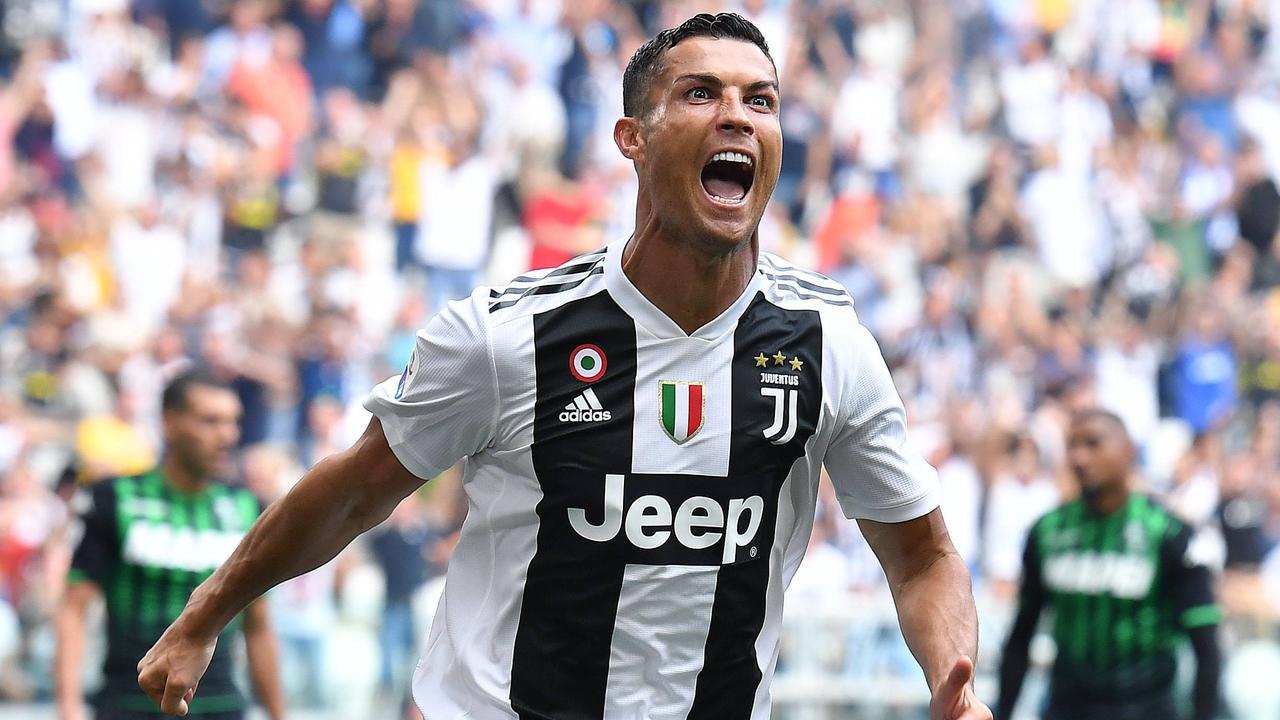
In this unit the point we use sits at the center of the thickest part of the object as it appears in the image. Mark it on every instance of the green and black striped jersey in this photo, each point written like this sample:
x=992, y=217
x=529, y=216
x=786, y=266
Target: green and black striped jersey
x=148, y=545
x=1123, y=590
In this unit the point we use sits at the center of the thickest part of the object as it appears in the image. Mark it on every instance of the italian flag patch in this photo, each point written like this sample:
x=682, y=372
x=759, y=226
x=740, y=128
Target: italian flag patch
x=682, y=406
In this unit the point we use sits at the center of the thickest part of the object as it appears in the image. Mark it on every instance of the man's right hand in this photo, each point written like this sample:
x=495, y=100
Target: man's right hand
x=171, y=670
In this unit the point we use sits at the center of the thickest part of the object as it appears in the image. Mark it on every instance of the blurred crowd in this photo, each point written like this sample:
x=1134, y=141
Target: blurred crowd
x=1037, y=206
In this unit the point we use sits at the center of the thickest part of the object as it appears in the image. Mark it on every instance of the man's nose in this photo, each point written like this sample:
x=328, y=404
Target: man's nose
x=733, y=114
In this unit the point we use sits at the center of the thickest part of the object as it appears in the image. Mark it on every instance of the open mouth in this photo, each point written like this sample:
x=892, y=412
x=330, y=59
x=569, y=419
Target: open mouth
x=727, y=177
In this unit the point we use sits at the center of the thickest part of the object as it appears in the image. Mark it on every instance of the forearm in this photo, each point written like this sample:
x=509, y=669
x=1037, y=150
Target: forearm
x=306, y=528
x=1204, y=641
x=937, y=615
x=1014, y=662
x=264, y=666
x=68, y=659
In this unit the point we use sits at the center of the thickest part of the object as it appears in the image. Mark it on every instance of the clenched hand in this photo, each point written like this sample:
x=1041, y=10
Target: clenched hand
x=171, y=670
x=954, y=698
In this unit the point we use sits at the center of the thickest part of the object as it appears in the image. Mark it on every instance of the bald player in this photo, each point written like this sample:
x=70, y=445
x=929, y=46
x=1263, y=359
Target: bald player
x=1126, y=584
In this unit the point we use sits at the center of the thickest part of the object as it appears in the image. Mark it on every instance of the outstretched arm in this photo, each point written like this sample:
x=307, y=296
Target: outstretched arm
x=1186, y=558
x=1017, y=649
x=338, y=499
x=934, y=597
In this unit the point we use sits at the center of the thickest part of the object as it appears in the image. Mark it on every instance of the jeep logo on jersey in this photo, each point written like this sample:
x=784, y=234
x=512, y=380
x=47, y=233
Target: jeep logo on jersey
x=588, y=363
x=683, y=405
x=698, y=523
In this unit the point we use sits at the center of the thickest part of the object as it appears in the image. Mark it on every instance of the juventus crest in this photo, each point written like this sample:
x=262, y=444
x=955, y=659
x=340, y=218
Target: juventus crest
x=783, y=427
x=786, y=399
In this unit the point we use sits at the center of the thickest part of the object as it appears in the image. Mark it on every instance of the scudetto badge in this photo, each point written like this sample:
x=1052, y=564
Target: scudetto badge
x=588, y=363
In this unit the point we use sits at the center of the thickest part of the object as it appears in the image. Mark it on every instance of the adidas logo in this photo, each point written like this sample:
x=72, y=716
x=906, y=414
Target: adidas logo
x=585, y=408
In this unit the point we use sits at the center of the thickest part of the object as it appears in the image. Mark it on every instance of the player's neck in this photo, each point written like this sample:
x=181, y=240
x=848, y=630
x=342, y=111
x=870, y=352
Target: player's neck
x=1108, y=502
x=688, y=284
x=181, y=478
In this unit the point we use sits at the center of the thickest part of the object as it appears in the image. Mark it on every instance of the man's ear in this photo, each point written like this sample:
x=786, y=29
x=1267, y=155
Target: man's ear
x=628, y=138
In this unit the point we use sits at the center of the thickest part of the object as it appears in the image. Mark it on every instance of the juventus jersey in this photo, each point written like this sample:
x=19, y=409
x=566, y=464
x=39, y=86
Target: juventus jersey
x=638, y=498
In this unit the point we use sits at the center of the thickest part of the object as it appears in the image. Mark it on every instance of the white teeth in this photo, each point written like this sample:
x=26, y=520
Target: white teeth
x=731, y=157
x=728, y=201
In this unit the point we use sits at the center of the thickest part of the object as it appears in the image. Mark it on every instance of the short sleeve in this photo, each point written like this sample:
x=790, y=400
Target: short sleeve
x=876, y=474
x=97, y=552
x=443, y=407
x=1187, y=559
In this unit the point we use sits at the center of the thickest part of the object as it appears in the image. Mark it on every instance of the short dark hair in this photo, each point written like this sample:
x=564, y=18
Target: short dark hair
x=646, y=63
x=1097, y=413
x=178, y=391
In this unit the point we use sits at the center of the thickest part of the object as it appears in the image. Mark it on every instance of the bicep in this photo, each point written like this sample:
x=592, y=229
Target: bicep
x=906, y=549
x=444, y=406
x=362, y=483
x=373, y=462
x=875, y=471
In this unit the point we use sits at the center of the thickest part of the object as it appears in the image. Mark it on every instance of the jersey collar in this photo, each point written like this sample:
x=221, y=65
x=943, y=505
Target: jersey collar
x=635, y=304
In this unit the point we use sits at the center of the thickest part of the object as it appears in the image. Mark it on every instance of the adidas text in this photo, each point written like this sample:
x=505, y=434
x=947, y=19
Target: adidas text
x=576, y=415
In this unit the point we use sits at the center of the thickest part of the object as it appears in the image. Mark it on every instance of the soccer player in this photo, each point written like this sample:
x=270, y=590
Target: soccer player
x=1126, y=583
x=644, y=429
x=148, y=542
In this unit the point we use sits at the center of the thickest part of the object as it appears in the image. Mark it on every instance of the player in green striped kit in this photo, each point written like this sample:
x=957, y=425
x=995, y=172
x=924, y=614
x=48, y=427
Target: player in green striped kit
x=1126, y=583
x=148, y=542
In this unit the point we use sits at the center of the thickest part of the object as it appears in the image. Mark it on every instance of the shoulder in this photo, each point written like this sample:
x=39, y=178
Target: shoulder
x=542, y=290
x=1058, y=518
x=109, y=488
x=239, y=494
x=796, y=288
x=97, y=497
x=234, y=505
x=1159, y=517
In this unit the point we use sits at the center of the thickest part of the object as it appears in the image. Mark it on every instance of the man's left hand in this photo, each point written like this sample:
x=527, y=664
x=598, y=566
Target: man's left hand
x=954, y=698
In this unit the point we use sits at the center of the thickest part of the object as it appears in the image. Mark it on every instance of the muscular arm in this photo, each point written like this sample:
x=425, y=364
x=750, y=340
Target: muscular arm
x=338, y=499
x=1016, y=656
x=264, y=658
x=931, y=589
x=70, y=627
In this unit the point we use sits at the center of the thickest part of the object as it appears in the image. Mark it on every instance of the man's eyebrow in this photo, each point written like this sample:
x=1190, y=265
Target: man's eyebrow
x=715, y=81
x=705, y=78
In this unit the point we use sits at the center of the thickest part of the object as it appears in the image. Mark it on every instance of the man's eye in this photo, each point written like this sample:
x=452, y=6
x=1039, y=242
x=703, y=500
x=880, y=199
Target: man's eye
x=699, y=93
x=762, y=101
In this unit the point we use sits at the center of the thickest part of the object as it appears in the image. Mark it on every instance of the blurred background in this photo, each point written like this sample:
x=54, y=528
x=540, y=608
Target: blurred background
x=1037, y=205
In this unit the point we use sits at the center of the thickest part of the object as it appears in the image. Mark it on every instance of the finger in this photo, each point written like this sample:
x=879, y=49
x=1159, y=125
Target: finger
x=173, y=702
x=959, y=678
x=152, y=684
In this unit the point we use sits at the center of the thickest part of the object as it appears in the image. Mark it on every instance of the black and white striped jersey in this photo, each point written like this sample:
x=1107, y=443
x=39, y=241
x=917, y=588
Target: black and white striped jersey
x=638, y=498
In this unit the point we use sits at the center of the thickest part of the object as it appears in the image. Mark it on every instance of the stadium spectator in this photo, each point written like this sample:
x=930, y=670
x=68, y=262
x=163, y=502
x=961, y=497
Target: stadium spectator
x=1045, y=191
